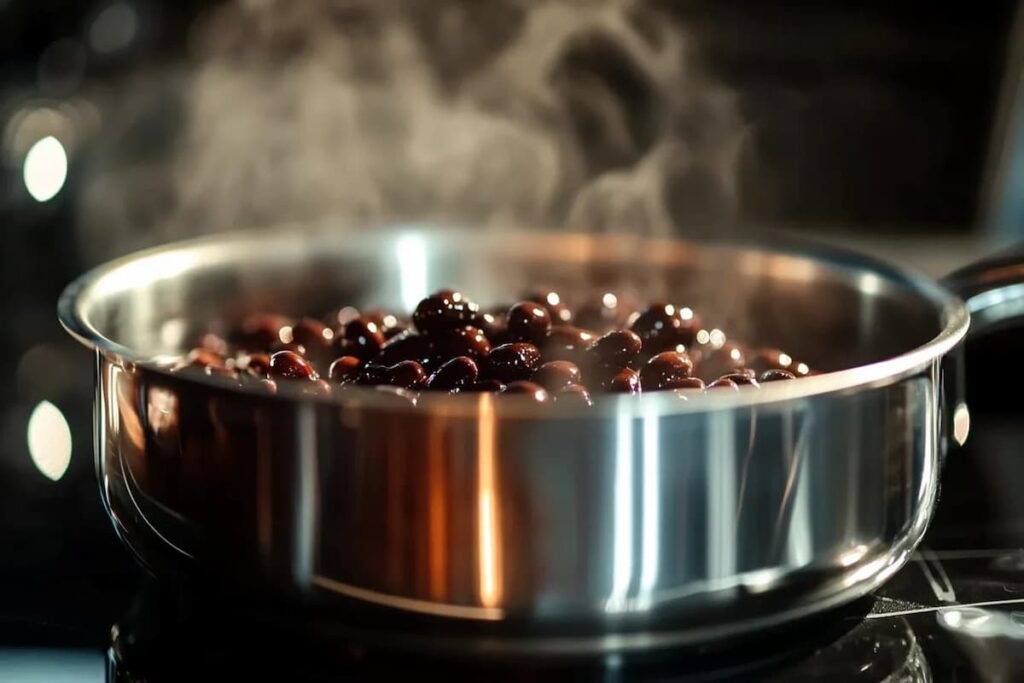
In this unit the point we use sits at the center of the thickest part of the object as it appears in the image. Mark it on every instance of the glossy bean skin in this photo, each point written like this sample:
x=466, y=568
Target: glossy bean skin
x=573, y=394
x=345, y=369
x=616, y=349
x=557, y=374
x=461, y=341
x=723, y=384
x=290, y=365
x=663, y=326
x=531, y=389
x=444, y=310
x=513, y=362
x=560, y=312
x=667, y=370
x=624, y=381
x=455, y=374
x=528, y=321
x=776, y=376
x=741, y=379
x=407, y=346
x=407, y=374
x=362, y=337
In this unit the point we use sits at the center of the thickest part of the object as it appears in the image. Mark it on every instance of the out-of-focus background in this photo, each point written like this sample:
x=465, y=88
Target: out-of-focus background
x=124, y=124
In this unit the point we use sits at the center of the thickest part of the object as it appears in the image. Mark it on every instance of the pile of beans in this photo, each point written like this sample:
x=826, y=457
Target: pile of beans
x=539, y=347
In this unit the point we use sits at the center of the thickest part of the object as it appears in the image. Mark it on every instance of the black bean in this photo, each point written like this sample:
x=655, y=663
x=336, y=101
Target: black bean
x=456, y=374
x=566, y=342
x=558, y=310
x=770, y=359
x=573, y=394
x=665, y=370
x=723, y=383
x=534, y=390
x=664, y=327
x=461, y=341
x=317, y=387
x=291, y=365
x=444, y=310
x=556, y=374
x=528, y=321
x=408, y=346
x=741, y=379
x=257, y=364
x=372, y=373
x=512, y=362
x=312, y=333
x=345, y=369
x=776, y=375
x=685, y=383
x=495, y=326
x=616, y=349
x=625, y=381
x=365, y=337
x=407, y=374
x=485, y=385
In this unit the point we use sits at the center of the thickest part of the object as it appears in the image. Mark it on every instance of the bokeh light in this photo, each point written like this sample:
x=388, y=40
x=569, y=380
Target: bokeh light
x=49, y=440
x=45, y=169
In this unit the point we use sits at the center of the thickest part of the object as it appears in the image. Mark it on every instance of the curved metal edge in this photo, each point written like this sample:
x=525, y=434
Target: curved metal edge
x=885, y=372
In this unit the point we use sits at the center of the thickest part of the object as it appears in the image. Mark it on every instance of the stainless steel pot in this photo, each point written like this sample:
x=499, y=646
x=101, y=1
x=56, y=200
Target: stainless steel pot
x=513, y=527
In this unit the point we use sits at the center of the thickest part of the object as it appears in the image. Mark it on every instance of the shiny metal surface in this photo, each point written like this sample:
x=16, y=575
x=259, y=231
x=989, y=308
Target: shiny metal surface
x=637, y=522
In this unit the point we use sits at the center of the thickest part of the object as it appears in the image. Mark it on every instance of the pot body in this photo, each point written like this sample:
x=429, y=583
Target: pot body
x=636, y=522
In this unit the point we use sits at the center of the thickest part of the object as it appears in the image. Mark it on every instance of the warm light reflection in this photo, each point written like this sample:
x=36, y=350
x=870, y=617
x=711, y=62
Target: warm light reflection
x=961, y=423
x=686, y=313
x=490, y=562
x=45, y=169
x=717, y=338
x=437, y=512
x=609, y=300
x=49, y=440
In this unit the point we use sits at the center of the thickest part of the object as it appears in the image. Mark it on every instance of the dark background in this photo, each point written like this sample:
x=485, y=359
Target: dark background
x=862, y=114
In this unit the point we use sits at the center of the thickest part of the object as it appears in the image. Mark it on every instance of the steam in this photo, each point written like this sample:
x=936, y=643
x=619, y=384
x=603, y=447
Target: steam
x=558, y=113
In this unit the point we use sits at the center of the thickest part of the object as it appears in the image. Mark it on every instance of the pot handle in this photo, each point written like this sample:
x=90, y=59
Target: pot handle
x=993, y=289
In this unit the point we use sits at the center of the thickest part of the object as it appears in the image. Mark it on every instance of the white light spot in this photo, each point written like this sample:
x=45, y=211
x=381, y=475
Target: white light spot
x=785, y=360
x=853, y=555
x=285, y=334
x=390, y=321
x=735, y=354
x=553, y=299
x=717, y=338
x=411, y=254
x=114, y=28
x=46, y=169
x=686, y=313
x=564, y=315
x=703, y=337
x=49, y=440
x=347, y=315
x=961, y=423
x=802, y=369
x=609, y=300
